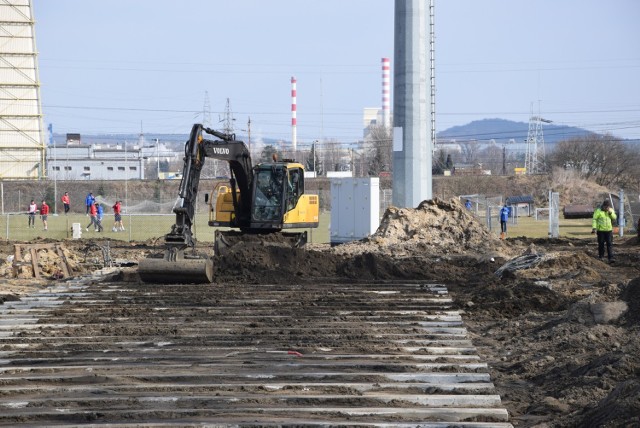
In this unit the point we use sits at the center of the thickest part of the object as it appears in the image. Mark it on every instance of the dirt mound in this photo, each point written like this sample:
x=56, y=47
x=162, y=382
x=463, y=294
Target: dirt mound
x=258, y=264
x=631, y=295
x=49, y=262
x=436, y=241
x=620, y=407
x=246, y=263
x=436, y=227
x=577, y=267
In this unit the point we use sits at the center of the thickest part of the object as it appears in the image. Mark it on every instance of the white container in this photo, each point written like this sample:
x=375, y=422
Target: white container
x=76, y=229
x=355, y=208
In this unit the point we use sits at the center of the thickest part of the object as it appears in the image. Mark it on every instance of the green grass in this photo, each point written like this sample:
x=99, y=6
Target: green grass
x=146, y=227
x=138, y=228
x=532, y=228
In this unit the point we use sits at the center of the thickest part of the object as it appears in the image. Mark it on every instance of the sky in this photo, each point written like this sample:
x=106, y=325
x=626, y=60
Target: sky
x=122, y=66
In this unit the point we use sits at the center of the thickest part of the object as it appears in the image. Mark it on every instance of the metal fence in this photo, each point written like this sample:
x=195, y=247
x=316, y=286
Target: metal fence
x=487, y=210
x=139, y=227
x=14, y=226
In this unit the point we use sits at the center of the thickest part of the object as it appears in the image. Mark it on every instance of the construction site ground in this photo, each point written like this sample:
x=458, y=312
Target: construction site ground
x=557, y=327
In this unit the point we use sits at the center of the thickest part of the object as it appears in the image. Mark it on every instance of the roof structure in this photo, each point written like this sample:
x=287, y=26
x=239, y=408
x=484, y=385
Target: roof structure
x=523, y=199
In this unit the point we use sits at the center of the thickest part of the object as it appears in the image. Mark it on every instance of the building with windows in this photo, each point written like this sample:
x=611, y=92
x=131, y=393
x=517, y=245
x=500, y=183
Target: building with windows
x=94, y=162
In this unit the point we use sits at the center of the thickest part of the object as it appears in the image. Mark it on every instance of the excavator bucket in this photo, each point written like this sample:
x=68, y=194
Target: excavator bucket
x=181, y=270
x=225, y=241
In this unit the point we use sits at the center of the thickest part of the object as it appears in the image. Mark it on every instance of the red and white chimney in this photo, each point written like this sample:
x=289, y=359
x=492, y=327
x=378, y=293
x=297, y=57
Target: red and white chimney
x=386, y=93
x=294, y=120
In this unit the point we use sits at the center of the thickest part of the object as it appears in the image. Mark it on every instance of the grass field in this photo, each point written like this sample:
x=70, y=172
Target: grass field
x=138, y=227
x=145, y=227
x=532, y=228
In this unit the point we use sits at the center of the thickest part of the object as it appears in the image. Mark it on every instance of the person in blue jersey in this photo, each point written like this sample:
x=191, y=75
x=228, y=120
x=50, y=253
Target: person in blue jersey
x=504, y=218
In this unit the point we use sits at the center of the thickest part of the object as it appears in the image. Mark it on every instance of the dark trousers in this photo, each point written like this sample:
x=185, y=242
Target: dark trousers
x=94, y=222
x=503, y=226
x=66, y=208
x=605, y=238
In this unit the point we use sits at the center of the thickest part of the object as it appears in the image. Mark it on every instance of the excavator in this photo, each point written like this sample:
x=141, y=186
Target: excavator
x=260, y=201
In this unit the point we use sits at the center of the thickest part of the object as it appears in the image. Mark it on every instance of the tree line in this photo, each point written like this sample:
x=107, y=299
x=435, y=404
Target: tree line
x=605, y=159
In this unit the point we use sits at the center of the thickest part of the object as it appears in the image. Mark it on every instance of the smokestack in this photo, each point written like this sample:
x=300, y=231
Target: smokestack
x=294, y=120
x=386, y=93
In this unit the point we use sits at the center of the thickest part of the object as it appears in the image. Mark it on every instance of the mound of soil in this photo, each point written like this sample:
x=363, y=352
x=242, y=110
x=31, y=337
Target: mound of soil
x=435, y=228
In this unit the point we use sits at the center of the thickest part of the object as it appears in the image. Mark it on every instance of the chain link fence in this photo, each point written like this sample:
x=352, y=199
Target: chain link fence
x=138, y=227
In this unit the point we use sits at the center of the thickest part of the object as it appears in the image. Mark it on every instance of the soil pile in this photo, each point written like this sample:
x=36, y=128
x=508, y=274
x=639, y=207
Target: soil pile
x=435, y=228
x=437, y=240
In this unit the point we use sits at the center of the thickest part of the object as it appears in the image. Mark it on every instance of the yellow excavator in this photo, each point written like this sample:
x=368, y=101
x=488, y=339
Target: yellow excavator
x=260, y=200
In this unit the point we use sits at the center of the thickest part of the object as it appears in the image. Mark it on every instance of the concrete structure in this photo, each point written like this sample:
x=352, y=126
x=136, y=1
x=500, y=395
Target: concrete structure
x=22, y=141
x=411, y=136
x=83, y=162
x=371, y=117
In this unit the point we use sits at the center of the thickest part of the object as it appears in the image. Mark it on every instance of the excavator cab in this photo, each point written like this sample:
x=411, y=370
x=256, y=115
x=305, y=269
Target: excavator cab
x=269, y=191
x=278, y=189
x=278, y=202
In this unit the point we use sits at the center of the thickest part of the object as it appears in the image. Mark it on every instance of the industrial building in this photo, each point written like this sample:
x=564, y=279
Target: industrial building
x=94, y=162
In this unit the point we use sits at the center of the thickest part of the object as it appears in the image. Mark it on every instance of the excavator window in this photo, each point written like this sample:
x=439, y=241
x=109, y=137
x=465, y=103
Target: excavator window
x=295, y=187
x=269, y=194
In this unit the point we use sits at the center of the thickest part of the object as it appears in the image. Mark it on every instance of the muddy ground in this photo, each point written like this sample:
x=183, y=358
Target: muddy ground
x=559, y=328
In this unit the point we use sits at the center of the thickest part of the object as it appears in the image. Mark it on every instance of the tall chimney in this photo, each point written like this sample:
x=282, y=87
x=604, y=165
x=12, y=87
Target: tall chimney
x=294, y=120
x=386, y=93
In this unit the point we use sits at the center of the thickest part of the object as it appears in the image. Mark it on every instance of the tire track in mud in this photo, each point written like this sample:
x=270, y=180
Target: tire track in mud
x=385, y=353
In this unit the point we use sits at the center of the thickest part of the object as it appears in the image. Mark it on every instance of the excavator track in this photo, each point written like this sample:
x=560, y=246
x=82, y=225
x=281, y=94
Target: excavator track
x=324, y=354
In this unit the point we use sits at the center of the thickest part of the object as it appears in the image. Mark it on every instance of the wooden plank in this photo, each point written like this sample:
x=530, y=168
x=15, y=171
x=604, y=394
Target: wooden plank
x=65, y=266
x=34, y=262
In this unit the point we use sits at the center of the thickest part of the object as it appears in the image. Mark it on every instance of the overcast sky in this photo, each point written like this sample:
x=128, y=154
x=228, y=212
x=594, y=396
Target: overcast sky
x=116, y=66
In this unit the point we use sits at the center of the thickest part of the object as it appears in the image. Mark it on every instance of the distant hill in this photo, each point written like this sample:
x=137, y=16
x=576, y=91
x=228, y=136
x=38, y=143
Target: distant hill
x=502, y=131
x=485, y=130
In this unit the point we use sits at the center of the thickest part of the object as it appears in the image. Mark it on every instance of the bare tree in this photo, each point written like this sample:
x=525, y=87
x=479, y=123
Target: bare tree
x=268, y=152
x=491, y=158
x=469, y=151
x=380, y=152
x=334, y=156
x=439, y=162
x=603, y=158
x=314, y=162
